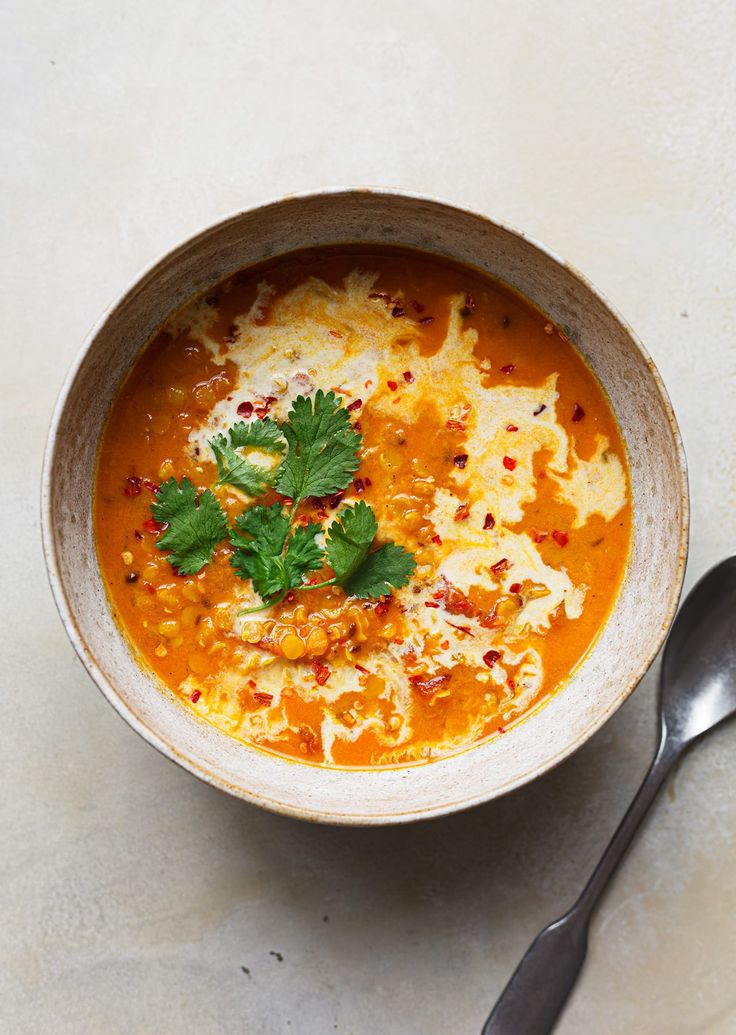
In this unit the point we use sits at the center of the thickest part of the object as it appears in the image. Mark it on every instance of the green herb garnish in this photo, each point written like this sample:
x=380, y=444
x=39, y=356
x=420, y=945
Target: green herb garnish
x=273, y=548
x=196, y=524
x=265, y=553
x=323, y=448
x=235, y=469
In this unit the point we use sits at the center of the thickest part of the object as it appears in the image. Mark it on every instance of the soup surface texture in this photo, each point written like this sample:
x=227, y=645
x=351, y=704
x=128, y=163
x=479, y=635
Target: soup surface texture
x=489, y=453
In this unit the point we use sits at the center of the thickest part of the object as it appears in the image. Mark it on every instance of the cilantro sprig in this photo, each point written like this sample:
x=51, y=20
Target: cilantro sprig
x=265, y=553
x=271, y=547
x=195, y=525
x=323, y=448
x=234, y=468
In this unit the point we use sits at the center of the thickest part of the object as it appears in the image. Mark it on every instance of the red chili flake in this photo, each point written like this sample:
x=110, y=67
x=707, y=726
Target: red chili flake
x=561, y=538
x=491, y=657
x=500, y=566
x=392, y=385
x=245, y=409
x=408, y=377
x=439, y=594
x=462, y=512
x=270, y=399
x=138, y=535
x=361, y=668
x=133, y=485
x=455, y=425
x=153, y=526
x=336, y=334
x=417, y=306
x=382, y=607
x=489, y=522
x=355, y=405
x=359, y=485
x=262, y=697
x=336, y=499
x=425, y=320
x=508, y=369
x=195, y=696
x=427, y=687
x=358, y=426
x=398, y=310
x=321, y=674
x=539, y=537
x=151, y=486
x=469, y=306
x=509, y=463
x=430, y=603
x=462, y=628
x=436, y=539
x=511, y=427
x=515, y=587
x=540, y=409
x=368, y=483
x=460, y=460
x=252, y=684
x=511, y=683
x=290, y=597
x=577, y=413
x=501, y=729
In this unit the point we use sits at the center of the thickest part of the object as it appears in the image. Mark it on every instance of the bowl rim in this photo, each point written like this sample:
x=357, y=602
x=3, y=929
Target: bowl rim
x=109, y=691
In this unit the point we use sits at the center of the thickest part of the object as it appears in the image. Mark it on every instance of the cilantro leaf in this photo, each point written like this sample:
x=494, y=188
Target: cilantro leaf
x=349, y=539
x=196, y=526
x=323, y=448
x=234, y=469
x=261, y=528
x=259, y=539
x=360, y=573
x=258, y=434
x=390, y=566
x=302, y=554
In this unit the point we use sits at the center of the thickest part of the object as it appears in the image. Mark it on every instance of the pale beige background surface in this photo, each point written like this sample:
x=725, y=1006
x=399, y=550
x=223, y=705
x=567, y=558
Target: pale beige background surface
x=132, y=897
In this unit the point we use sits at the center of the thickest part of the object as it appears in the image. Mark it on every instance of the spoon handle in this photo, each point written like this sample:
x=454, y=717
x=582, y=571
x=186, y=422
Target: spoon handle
x=534, y=997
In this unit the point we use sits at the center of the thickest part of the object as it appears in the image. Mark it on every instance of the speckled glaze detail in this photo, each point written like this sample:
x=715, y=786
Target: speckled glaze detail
x=627, y=644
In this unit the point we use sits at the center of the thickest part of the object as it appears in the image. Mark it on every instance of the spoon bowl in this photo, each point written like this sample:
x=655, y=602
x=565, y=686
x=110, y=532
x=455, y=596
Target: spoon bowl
x=698, y=676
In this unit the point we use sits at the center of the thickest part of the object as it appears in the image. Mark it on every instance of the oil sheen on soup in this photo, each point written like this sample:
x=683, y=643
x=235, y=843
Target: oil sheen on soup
x=488, y=452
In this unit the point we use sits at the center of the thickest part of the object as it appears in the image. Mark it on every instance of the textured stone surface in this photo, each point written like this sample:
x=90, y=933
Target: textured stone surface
x=132, y=895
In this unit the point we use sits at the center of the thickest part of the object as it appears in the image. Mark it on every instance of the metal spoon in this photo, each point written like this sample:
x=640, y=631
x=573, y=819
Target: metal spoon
x=697, y=691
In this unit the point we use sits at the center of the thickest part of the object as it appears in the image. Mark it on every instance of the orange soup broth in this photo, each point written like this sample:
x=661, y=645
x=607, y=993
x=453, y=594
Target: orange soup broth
x=182, y=626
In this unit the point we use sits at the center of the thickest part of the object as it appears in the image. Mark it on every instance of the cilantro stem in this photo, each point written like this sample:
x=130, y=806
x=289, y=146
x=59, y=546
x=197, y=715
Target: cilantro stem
x=263, y=607
x=319, y=585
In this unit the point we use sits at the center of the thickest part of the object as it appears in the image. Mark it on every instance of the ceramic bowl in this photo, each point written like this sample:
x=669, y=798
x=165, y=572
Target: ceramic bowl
x=621, y=655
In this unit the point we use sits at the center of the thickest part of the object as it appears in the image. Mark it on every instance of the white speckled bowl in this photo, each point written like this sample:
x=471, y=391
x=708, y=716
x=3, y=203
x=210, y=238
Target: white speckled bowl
x=621, y=655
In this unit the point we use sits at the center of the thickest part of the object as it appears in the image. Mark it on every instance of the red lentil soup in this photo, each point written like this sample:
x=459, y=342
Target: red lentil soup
x=489, y=451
